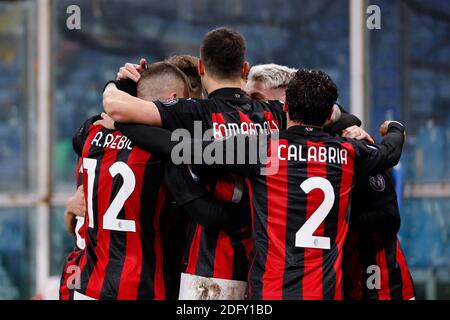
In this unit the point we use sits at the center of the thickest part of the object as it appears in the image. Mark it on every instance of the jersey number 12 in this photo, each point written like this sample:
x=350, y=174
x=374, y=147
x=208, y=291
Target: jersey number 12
x=110, y=220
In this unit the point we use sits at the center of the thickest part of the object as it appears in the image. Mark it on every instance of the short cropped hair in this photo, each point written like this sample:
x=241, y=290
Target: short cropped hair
x=310, y=97
x=272, y=75
x=160, y=78
x=223, y=52
x=189, y=65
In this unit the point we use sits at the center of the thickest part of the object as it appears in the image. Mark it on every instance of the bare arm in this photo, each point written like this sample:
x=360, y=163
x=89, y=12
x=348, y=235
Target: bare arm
x=358, y=133
x=75, y=207
x=76, y=204
x=70, y=222
x=123, y=107
x=132, y=71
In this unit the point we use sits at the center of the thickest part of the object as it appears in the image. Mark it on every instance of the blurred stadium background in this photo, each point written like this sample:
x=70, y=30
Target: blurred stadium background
x=51, y=80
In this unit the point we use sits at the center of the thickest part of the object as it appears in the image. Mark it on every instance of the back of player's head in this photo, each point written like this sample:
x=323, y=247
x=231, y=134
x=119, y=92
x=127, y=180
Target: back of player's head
x=223, y=53
x=160, y=80
x=189, y=65
x=310, y=97
x=272, y=75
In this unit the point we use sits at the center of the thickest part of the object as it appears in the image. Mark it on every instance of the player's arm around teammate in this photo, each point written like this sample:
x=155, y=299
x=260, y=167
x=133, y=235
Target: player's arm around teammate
x=201, y=206
x=160, y=141
x=76, y=206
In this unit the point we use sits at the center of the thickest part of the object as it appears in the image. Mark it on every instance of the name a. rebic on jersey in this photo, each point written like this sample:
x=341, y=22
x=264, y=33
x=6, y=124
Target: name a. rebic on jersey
x=112, y=141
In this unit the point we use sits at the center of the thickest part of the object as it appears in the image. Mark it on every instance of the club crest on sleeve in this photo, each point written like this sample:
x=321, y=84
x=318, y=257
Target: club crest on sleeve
x=377, y=183
x=169, y=102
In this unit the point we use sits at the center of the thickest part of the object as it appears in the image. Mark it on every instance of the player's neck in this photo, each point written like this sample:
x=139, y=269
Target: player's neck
x=212, y=85
x=292, y=123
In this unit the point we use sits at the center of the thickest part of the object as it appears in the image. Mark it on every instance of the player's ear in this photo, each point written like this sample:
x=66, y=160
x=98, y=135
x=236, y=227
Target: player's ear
x=285, y=107
x=331, y=119
x=335, y=113
x=172, y=95
x=245, y=70
x=331, y=113
x=201, y=68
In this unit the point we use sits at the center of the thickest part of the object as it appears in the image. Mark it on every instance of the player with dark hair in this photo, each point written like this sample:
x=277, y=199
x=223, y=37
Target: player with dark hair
x=126, y=255
x=223, y=54
x=300, y=212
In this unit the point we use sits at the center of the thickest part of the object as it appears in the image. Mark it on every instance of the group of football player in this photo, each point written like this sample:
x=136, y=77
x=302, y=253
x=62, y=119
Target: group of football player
x=314, y=217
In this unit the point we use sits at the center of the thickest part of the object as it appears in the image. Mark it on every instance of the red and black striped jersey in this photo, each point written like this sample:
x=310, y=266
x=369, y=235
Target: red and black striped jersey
x=301, y=214
x=376, y=268
x=222, y=254
x=70, y=275
x=228, y=111
x=300, y=218
x=374, y=264
x=125, y=255
x=300, y=206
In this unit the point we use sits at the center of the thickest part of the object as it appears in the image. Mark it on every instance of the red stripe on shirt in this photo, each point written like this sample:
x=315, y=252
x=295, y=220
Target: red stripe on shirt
x=407, y=284
x=313, y=266
x=383, y=293
x=250, y=197
x=223, y=257
x=219, y=119
x=224, y=188
x=105, y=181
x=63, y=288
x=251, y=129
x=69, y=272
x=193, y=251
x=84, y=229
x=277, y=188
x=273, y=124
x=348, y=171
x=159, y=279
x=132, y=266
x=244, y=118
x=252, y=213
x=353, y=267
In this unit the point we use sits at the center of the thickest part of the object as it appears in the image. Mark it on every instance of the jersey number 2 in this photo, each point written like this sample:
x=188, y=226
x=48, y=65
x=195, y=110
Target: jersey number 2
x=304, y=237
x=110, y=220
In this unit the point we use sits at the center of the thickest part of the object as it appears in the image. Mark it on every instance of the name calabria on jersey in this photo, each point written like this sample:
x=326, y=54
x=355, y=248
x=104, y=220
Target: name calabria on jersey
x=324, y=154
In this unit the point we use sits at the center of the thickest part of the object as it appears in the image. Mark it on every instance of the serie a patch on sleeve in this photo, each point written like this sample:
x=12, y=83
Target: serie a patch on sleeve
x=377, y=183
x=169, y=102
